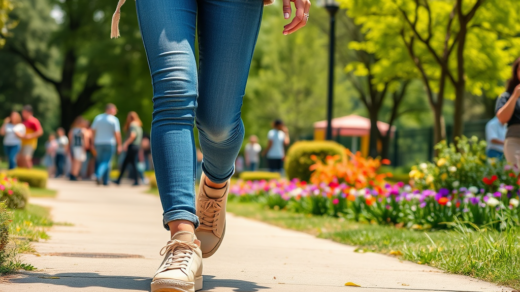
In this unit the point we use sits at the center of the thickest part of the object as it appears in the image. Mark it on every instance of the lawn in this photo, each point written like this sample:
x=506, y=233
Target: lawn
x=43, y=193
x=28, y=225
x=485, y=254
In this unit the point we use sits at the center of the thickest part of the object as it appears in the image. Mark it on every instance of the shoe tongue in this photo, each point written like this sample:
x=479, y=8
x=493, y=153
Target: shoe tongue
x=184, y=236
x=214, y=193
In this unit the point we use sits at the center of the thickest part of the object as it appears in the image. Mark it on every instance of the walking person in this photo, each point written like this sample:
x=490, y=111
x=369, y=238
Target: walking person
x=50, y=154
x=134, y=130
x=13, y=131
x=275, y=152
x=61, y=152
x=252, y=153
x=33, y=130
x=508, y=112
x=107, y=140
x=78, y=146
x=211, y=92
x=495, y=136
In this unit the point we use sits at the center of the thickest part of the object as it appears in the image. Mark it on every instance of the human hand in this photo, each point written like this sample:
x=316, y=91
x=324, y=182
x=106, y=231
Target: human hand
x=119, y=149
x=301, y=17
x=7, y=120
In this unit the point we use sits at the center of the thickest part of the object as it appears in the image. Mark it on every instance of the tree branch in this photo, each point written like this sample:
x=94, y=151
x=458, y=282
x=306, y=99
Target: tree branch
x=32, y=64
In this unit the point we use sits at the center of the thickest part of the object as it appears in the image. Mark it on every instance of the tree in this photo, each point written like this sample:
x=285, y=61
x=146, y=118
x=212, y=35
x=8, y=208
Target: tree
x=434, y=34
x=5, y=24
x=79, y=60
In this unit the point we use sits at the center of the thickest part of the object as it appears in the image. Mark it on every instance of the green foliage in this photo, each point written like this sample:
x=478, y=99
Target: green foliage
x=14, y=194
x=298, y=159
x=259, y=175
x=34, y=177
x=5, y=8
x=5, y=219
x=153, y=182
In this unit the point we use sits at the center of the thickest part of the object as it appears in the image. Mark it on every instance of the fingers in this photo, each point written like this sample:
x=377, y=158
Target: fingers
x=300, y=19
x=286, y=9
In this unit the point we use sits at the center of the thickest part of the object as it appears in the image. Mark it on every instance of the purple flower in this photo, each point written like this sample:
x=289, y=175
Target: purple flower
x=444, y=192
x=486, y=198
x=463, y=190
x=388, y=207
x=422, y=205
x=497, y=194
x=482, y=191
x=465, y=210
x=474, y=200
x=509, y=188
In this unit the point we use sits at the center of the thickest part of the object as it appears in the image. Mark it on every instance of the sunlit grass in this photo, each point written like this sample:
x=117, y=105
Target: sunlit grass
x=485, y=254
x=43, y=193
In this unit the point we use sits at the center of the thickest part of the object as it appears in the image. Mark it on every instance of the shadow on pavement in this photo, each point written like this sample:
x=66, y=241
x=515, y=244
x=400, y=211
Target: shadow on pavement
x=84, y=280
x=211, y=283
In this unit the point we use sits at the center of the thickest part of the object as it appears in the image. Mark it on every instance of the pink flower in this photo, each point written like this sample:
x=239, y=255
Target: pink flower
x=2, y=187
x=10, y=192
x=335, y=201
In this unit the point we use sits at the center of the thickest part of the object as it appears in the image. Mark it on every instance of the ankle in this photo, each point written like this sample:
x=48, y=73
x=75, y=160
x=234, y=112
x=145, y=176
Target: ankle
x=180, y=225
x=213, y=185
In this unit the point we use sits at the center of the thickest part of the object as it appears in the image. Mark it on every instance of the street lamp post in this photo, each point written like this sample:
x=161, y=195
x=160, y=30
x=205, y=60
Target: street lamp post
x=332, y=7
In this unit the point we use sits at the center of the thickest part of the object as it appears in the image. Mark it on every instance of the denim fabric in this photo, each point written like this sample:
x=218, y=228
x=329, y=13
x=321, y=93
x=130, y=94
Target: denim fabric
x=59, y=161
x=227, y=33
x=492, y=153
x=11, y=151
x=104, y=161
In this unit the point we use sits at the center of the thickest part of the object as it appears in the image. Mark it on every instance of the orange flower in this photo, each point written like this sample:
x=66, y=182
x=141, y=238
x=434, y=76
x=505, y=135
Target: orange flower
x=443, y=201
x=385, y=161
x=351, y=197
x=370, y=200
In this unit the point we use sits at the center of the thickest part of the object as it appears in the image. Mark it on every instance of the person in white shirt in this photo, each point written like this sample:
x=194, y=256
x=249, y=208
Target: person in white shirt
x=252, y=153
x=495, y=136
x=275, y=151
x=12, y=130
x=61, y=152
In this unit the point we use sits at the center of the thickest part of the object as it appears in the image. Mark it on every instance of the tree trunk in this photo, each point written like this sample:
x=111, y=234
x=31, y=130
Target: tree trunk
x=374, y=134
x=458, y=114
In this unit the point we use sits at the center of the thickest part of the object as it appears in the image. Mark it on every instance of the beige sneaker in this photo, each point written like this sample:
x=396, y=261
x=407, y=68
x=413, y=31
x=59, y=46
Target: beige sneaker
x=181, y=269
x=211, y=210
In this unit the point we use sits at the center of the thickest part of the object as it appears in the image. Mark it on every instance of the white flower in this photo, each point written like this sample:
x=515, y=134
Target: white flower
x=452, y=168
x=316, y=192
x=295, y=192
x=492, y=202
x=502, y=190
x=407, y=188
x=470, y=195
x=455, y=184
x=514, y=202
x=414, y=208
x=448, y=204
x=473, y=190
x=362, y=192
x=423, y=166
x=352, y=192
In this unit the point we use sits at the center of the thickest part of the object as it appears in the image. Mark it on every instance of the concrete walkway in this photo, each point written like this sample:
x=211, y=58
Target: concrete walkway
x=117, y=234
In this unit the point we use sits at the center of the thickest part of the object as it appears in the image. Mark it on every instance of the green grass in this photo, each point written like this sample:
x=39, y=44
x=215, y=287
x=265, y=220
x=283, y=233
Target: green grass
x=28, y=225
x=43, y=193
x=484, y=254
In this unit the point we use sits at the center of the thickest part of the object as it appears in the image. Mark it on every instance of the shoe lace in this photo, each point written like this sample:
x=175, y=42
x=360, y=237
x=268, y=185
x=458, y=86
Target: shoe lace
x=210, y=211
x=180, y=253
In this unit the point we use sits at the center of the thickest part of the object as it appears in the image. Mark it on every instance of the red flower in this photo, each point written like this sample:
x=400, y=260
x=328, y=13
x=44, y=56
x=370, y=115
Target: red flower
x=489, y=181
x=443, y=201
x=457, y=204
x=333, y=185
x=385, y=161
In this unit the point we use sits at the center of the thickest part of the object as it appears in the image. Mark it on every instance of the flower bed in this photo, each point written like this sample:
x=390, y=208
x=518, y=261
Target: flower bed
x=12, y=192
x=397, y=204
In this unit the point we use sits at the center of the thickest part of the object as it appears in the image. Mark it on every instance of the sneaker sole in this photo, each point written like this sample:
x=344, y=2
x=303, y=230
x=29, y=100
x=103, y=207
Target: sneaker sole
x=214, y=250
x=165, y=285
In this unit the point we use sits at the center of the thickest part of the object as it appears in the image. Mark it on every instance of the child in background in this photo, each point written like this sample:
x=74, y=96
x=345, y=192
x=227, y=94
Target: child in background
x=50, y=152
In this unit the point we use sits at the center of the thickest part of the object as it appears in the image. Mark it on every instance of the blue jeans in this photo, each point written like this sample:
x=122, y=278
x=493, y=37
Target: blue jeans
x=492, y=153
x=253, y=166
x=11, y=151
x=227, y=33
x=104, y=161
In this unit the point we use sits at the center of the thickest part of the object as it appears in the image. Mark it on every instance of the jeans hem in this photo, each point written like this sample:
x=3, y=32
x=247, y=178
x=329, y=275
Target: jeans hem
x=180, y=215
x=215, y=179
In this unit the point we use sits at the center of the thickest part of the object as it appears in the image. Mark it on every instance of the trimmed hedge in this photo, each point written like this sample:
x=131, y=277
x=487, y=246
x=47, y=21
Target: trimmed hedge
x=13, y=194
x=5, y=219
x=259, y=175
x=298, y=159
x=36, y=178
x=153, y=181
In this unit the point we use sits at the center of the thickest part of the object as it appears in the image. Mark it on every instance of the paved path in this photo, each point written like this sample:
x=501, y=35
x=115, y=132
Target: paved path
x=253, y=257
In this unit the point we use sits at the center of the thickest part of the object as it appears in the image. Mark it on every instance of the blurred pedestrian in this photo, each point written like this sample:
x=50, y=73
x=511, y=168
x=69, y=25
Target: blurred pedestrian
x=275, y=151
x=13, y=131
x=50, y=154
x=61, y=152
x=134, y=136
x=495, y=136
x=33, y=130
x=78, y=151
x=107, y=140
x=508, y=112
x=87, y=169
x=252, y=153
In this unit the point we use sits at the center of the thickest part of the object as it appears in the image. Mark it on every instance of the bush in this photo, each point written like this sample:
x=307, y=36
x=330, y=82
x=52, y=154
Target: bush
x=153, y=182
x=34, y=177
x=259, y=175
x=298, y=159
x=13, y=193
x=5, y=219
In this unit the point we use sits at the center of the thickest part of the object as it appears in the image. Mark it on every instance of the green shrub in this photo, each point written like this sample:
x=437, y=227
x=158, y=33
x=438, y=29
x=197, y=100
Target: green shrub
x=13, y=192
x=153, y=182
x=259, y=175
x=298, y=159
x=36, y=178
x=5, y=219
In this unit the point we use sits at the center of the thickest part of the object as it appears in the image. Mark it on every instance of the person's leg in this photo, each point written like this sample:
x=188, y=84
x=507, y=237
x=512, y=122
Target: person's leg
x=111, y=151
x=168, y=31
x=133, y=151
x=102, y=161
x=10, y=152
x=227, y=33
x=125, y=163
